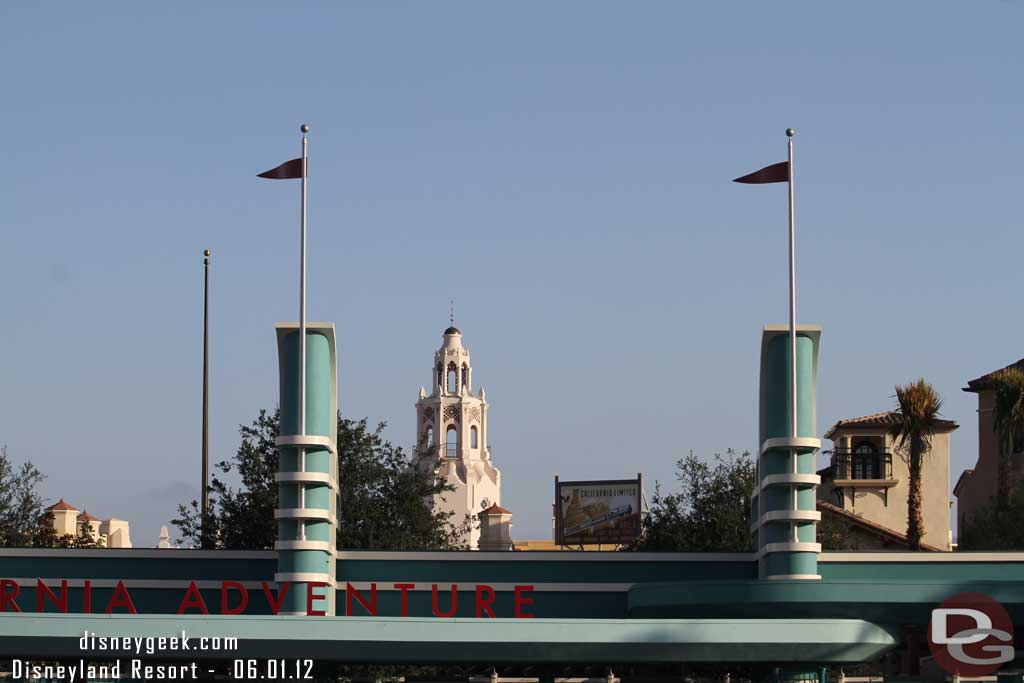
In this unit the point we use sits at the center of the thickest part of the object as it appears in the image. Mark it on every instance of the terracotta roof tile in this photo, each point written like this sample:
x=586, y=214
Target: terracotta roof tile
x=61, y=505
x=86, y=517
x=985, y=381
x=495, y=509
x=887, y=419
x=964, y=476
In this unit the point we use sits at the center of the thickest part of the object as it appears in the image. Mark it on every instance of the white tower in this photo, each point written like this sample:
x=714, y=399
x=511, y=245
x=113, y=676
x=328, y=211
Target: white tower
x=451, y=428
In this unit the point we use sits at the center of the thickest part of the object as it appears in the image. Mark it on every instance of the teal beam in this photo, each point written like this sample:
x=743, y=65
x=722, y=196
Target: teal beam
x=307, y=476
x=887, y=601
x=416, y=640
x=784, y=507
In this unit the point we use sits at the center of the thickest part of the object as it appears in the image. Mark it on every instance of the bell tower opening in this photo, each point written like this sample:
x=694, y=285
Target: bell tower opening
x=453, y=378
x=451, y=442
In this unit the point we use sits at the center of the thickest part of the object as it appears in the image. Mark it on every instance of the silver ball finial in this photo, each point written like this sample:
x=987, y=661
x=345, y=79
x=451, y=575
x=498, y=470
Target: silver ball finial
x=304, y=128
x=206, y=253
x=790, y=132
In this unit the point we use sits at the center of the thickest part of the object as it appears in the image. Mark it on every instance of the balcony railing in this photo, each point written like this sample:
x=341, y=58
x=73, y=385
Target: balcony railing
x=861, y=466
x=447, y=450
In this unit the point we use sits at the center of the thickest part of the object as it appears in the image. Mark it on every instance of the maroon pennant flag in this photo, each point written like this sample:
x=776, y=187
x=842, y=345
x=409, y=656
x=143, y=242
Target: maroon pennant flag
x=776, y=173
x=286, y=171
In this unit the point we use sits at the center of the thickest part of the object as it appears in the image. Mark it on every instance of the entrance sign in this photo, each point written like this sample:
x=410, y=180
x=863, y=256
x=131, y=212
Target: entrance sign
x=234, y=598
x=598, y=512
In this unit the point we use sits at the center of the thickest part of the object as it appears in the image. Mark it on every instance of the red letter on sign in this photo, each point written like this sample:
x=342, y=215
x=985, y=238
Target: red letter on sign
x=275, y=607
x=483, y=604
x=521, y=601
x=405, y=588
x=42, y=590
x=351, y=592
x=310, y=597
x=224, y=587
x=6, y=597
x=120, y=598
x=455, y=601
x=193, y=598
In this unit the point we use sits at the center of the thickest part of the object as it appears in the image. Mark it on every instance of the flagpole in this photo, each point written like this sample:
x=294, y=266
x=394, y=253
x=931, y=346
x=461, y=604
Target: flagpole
x=792, y=291
x=302, y=304
x=206, y=393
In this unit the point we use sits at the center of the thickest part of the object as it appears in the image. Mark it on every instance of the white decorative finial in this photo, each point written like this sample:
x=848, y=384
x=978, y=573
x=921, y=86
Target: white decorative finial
x=451, y=311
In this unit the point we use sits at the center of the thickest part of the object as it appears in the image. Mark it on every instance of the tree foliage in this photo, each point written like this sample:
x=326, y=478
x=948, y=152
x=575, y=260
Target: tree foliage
x=1008, y=422
x=45, y=536
x=382, y=502
x=995, y=526
x=21, y=507
x=918, y=409
x=710, y=511
x=23, y=521
x=835, y=533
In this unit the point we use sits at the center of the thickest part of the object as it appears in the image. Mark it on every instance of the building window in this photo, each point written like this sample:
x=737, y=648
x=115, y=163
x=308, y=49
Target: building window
x=451, y=441
x=865, y=461
x=428, y=439
x=465, y=377
x=472, y=437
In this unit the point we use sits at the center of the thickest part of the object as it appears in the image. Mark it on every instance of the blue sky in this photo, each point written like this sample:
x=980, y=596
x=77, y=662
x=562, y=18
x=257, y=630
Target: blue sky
x=562, y=170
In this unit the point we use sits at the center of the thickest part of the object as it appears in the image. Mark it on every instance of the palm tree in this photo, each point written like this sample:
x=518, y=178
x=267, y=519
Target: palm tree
x=1008, y=421
x=918, y=409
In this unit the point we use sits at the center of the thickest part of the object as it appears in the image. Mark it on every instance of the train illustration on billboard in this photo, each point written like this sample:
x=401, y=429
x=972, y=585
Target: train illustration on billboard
x=605, y=512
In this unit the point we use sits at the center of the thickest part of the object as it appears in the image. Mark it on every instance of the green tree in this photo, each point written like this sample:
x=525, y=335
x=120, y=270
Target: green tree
x=710, y=511
x=21, y=506
x=382, y=500
x=45, y=536
x=1008, y=421
x=835, y=533
x=995, y=526
x=918, y=410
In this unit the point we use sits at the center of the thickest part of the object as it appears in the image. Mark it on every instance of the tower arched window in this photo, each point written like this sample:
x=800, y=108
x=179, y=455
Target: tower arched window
x=865, y=461
x=465, y=377
x=453, y=377
x=451, y=440
x=472, y=437
x=428, y=438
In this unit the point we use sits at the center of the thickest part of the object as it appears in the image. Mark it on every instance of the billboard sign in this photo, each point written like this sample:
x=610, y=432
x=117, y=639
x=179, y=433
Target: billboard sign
x=597, y=512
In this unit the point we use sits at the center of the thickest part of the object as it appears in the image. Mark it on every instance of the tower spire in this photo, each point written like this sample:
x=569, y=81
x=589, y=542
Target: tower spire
x=451, y=311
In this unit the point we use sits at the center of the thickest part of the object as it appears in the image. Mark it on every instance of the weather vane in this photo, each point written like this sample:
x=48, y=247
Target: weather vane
x=451, y=311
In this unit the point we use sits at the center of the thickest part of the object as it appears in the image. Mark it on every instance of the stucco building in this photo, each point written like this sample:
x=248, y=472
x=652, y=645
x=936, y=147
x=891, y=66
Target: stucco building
x=68, y=520
x=866, y=485
x=451, y=428
x=977, y=486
